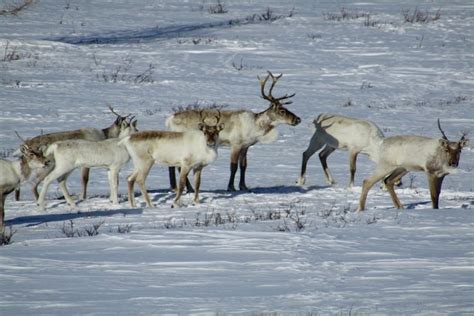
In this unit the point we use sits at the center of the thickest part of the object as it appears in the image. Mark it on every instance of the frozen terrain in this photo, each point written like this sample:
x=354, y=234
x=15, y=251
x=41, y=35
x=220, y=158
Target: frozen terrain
x=279, y=248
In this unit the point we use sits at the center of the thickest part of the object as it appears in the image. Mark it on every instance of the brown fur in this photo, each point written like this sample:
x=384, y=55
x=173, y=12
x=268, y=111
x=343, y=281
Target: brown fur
x=149, y=135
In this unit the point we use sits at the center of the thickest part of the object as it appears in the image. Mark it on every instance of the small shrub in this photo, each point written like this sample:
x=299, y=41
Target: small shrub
x=120, y=74
x=314, y=36
x=419, y=16
x=173, y=223
x=70, y=231
x=125, y=229
x=366, y=85
x=369, y=22
x=93, y=230
x=372, y=220
x=336, y=217
x=15, y=8
x=198, y=106
x=6, y=152
x=10, y=53
x=239, y=66
x=344, y=14
x=348, y=103
x=217, y=9
x=6, y=237
x=196, y=41
x=267, y=16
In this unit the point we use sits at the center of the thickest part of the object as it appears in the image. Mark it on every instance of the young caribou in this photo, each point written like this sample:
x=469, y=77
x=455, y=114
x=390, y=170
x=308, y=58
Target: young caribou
x=13, y=173
x=243, y=128
x=71, y=154
x=400, y=154
x=42, y=142
x=335, y=131
x=190, y=150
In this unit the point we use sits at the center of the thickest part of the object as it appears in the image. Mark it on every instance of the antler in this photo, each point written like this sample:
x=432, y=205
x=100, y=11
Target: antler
x=270, y=97
x=441, y=130
x=118, y=115
x=21, y=138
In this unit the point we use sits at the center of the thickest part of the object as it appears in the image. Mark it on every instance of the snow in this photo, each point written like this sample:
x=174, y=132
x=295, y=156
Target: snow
x=279, y=248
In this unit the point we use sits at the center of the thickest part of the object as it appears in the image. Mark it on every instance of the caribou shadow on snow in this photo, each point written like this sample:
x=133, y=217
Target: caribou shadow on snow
x=165, y=32
x=34, y=220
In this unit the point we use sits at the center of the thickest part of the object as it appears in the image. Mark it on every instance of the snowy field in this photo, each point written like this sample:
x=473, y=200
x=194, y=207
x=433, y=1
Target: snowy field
x=279, y=249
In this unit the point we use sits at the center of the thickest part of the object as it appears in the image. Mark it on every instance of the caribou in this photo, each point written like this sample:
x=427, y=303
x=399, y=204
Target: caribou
x=16, y=172
x=399, y=155
x=243, y=128
x=42, y=142
x=188, y=150
x=335, y=131
x=72, y=154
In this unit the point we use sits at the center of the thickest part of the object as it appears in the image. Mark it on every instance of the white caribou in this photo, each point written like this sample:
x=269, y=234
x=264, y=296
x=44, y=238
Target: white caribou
x=78, y=153
x=400, y=154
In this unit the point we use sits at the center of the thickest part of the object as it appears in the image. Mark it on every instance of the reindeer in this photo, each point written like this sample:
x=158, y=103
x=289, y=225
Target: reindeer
x=71, y=154
x=400, y=154
x=16, y=172
x=189, y=150
x=335, y=131
x=41, y=143
x=243, y=128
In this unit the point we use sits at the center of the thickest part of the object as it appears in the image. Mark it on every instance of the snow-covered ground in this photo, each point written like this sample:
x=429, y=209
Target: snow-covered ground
x=279, y=248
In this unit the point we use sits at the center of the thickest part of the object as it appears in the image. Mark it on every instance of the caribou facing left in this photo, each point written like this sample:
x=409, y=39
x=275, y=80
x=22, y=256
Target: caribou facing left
x=13, y=173
x=243, y=128
x=42, y=142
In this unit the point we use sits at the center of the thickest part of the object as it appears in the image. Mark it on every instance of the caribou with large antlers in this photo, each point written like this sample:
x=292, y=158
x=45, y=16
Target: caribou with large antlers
x=400, y=154
x=42, y=142
x=189, y=150
x=243, y=128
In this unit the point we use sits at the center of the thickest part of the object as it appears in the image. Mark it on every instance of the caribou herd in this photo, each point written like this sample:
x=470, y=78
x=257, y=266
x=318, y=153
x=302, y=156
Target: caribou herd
x=192, y=141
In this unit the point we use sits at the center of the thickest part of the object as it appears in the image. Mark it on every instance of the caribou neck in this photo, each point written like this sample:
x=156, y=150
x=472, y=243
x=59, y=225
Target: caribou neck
x=22, y=169
x=109, y=132
x=264, y=122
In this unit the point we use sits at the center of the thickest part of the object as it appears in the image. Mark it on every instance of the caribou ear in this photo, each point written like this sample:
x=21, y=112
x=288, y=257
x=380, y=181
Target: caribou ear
x=25, y=150
x=444, y=142
x=464, y=143
x=134, y=123
x=201, y=126
x=118, y=121
x=221, y=126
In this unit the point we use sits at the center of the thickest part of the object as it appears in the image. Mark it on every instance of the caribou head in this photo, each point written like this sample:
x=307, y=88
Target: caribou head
x=277, y=112
x=118, y=125
x=452, y=150
x=211, y=132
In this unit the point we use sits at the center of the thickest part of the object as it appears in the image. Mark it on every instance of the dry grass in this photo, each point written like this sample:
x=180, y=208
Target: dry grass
x=15, y=8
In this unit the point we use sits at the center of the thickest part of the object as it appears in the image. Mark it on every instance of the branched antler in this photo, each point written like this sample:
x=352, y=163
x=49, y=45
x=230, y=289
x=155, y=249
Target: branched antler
x=269, y=96
x=118, y=115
